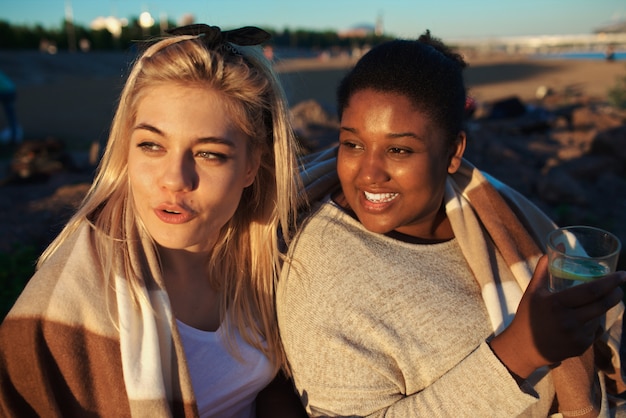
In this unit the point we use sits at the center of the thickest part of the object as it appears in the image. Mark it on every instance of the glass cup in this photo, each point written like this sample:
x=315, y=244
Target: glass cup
x=578, y=254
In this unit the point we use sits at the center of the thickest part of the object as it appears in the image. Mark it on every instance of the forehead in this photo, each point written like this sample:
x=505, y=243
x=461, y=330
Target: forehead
x=184, y=108
x=375, y=111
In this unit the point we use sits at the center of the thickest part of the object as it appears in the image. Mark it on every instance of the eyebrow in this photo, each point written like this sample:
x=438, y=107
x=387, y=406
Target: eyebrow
x=201, y=140
x=392, y=135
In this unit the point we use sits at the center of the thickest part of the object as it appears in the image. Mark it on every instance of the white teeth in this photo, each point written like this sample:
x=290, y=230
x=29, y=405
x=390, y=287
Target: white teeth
x=171, y=211
x=380, y=197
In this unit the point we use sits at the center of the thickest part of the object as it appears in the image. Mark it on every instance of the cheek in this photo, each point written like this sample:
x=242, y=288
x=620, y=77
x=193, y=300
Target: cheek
x=223, y=187
x=223, y=180
x=415, y=177
x=345, y=170
x=132, y=175
x=139, y=178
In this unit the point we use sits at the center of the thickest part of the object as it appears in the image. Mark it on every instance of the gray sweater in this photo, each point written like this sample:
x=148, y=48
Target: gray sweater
x=374, y=326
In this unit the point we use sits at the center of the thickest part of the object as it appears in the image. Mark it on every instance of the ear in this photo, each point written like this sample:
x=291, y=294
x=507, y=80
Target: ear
x=253, y=164
x=456, y=152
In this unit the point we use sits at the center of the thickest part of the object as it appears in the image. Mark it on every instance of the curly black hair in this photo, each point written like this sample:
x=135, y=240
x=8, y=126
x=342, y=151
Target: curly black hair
x=426, y=71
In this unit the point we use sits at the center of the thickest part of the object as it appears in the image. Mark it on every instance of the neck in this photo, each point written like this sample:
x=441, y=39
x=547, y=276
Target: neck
x=442, y=230
x=183, y=265
x=194, y=301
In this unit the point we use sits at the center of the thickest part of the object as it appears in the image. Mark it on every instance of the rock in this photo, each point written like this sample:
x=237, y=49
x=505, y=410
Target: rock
x=542, y=92
x=36, y=160
x=510, y=107
x=611, y=142
x=512, y=115
x=591, y=167
x=559, y=187
x=588, y=117
x=310, y=112
x=315, y=127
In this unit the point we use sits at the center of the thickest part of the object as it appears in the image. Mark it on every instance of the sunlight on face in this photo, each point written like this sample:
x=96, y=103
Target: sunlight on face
x=188, y=165
x=392, y=164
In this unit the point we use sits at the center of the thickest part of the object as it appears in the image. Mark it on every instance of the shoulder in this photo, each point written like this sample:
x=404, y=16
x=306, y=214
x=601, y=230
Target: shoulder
x=59, y=329
x=321, y=226
x=69, y=286
x=313, y=249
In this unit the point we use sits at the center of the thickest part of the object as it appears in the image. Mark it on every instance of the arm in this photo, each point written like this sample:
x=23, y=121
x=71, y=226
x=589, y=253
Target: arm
x=479, y=386
x=547, y=329
x=279, y=400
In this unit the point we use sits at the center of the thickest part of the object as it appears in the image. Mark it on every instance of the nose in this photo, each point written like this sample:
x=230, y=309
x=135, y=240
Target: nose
x=372, y=169
x=179, y=173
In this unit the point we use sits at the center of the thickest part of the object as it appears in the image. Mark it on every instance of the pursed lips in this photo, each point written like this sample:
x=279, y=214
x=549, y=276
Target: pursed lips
x=173, y=214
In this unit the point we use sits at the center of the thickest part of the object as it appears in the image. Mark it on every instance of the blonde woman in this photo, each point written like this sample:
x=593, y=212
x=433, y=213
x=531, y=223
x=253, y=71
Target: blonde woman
x=156, y=299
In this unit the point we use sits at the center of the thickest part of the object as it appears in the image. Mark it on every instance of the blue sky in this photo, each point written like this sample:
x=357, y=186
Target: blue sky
x=404, y=18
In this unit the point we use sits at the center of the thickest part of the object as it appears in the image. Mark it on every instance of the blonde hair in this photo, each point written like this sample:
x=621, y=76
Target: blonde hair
x=245, y=262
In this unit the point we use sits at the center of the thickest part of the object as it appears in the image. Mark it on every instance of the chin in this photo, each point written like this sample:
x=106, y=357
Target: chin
x=171, y=244
x=377, y=228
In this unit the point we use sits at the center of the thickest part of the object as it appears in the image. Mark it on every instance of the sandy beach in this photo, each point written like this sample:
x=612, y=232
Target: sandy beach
x=491, y=78
x=73, y=96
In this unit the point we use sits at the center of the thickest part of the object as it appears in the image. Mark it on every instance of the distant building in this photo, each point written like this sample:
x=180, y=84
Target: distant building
x=379, y=25
x=364, y=29
x=357, y=31
x=618, y=27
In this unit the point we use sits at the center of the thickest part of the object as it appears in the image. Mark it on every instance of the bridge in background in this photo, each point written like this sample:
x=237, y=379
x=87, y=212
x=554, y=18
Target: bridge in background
x=544, y=43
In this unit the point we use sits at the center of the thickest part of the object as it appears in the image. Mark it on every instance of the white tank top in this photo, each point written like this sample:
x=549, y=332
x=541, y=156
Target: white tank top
x=224, y=386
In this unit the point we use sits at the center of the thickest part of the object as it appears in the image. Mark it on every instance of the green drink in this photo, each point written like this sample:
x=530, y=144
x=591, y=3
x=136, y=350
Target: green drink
x=579, y=254
x=565, y=272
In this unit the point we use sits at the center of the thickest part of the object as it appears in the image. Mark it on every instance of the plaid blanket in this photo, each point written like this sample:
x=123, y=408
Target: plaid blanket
x=485, y=215
x=77, y=345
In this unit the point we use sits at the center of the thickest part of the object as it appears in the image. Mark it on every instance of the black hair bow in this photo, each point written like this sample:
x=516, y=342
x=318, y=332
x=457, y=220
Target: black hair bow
x=214, y=36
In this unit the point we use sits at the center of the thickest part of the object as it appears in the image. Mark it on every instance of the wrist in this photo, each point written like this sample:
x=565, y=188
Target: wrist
x=514, y=356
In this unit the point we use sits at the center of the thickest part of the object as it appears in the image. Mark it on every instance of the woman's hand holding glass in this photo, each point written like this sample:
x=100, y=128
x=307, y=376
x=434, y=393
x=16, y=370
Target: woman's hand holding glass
x=551, y=327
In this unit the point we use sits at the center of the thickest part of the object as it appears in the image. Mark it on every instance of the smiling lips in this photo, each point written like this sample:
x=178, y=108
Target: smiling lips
x=380, y=197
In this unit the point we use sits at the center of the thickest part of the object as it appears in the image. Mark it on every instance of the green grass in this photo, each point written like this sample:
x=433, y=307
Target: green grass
x=16, y=268
x=617, y=94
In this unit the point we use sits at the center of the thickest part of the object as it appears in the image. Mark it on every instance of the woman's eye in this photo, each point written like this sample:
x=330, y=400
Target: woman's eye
x=396, y=150
x=207, y=155
x=149, y=146
x=349, y=144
